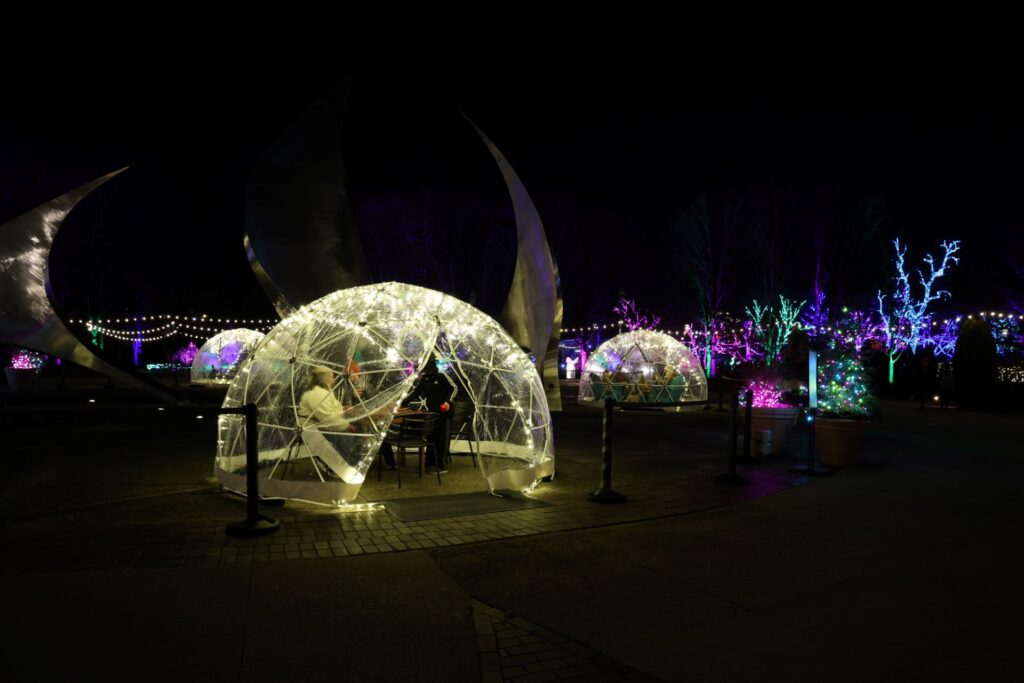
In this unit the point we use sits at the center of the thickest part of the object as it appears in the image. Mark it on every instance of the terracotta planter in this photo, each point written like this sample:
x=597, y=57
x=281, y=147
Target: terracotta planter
x=779, y=421
x=18, y=378
x=839, y=441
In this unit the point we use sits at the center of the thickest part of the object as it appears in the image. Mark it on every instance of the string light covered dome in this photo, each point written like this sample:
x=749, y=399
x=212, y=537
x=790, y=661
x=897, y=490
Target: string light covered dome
x=643, y=366
x=375, y=340
x=219, y=358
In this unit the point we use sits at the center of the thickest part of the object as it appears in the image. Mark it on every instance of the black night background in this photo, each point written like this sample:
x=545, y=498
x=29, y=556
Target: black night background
x=613, y=154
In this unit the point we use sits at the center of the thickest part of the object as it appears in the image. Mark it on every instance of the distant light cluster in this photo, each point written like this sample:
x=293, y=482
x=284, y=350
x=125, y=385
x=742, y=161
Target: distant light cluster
x=27, y=360
x=1013, y=374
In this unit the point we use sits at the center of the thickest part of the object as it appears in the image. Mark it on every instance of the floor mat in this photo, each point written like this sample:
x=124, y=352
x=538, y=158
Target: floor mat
x=459, y=504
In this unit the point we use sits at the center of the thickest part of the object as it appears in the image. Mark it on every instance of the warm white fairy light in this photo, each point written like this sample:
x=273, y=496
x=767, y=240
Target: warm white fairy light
x=643, y=366
x=387, y=332
x=222, y=355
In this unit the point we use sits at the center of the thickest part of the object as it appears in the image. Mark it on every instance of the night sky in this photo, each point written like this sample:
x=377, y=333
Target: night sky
x=611, y=152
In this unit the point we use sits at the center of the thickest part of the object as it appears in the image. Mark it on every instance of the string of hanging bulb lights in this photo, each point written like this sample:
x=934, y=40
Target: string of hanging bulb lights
x=164, y=326
x=169, y=317
x=990, y=315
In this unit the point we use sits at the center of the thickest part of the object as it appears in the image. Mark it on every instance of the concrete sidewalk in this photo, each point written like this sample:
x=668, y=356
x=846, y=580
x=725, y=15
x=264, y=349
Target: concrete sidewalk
x=905, y=567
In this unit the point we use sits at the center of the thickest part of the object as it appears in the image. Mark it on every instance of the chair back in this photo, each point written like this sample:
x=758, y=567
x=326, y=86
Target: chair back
x=462, y=414
x=413, y=428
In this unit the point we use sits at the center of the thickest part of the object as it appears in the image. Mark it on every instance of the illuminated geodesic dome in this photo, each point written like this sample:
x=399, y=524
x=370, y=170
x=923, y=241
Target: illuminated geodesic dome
x=375, y=339
x=219, y=358
x=642, y=366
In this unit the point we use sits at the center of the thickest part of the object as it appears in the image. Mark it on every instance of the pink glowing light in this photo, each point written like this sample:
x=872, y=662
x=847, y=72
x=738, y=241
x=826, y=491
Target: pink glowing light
x=766, y=394
x=22, y=362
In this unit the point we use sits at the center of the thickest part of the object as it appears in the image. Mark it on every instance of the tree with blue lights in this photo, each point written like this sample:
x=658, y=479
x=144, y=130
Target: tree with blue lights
x=905, y=322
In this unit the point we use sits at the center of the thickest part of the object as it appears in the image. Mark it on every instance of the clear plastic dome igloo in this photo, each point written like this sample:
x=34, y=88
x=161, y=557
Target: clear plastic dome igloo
x=220, y=357
x=642, y=366
x=375, y=339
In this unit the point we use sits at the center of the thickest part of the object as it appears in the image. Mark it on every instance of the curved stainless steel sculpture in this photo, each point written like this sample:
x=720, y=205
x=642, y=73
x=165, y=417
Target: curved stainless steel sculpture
x=533, y=310
x=27, y=316
x=302, y=243
x=300, y=235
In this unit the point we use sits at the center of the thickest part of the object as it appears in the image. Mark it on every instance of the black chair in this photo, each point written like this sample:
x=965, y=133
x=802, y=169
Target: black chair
x=462, y=423
x=414, y=430
x=320, y=451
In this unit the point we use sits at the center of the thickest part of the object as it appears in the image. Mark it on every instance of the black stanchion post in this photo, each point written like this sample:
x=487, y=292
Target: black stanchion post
x=733, y=431
x=731, y=477
x=810, y=444
x=605, y=494
x=254, y=523
x=809, y=469
x=721, y=394
x=748, y=420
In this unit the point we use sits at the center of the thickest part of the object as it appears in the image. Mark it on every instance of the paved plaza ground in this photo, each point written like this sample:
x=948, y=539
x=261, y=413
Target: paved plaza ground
x=115, y=563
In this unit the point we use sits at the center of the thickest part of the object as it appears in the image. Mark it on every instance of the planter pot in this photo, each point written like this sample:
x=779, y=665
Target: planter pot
x=761, y=443
x=18, y=378
x=839, y=441
x=779, y=421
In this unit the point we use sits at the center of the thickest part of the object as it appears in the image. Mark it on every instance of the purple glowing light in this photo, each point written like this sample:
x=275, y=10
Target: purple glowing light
x=186, y=354
x=230, y=353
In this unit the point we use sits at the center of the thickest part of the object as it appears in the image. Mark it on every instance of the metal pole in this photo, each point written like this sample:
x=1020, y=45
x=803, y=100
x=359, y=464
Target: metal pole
x=733, y=432
x=810, y=445
x=605, y=494
x=252, y=462
x=812, y=403
x=254, y=523
x=748, y=429
x=809, y=469
x=731, y=477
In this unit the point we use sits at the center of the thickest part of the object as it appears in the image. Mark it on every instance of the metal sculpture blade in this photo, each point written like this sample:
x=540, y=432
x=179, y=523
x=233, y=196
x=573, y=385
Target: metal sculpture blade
x=27, y=315
x=533, y=310
x=300, y=235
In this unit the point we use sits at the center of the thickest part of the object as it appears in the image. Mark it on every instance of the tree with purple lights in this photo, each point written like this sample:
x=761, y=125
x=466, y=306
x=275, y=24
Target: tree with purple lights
x=186, y=354
x=903, y=322
x=633, y=318
x=815, y=318
x=853, y=329
x=724, y=338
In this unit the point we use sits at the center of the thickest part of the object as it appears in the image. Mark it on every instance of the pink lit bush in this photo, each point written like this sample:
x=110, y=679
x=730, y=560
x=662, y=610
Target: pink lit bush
x=26, y=360
x=766, y=394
